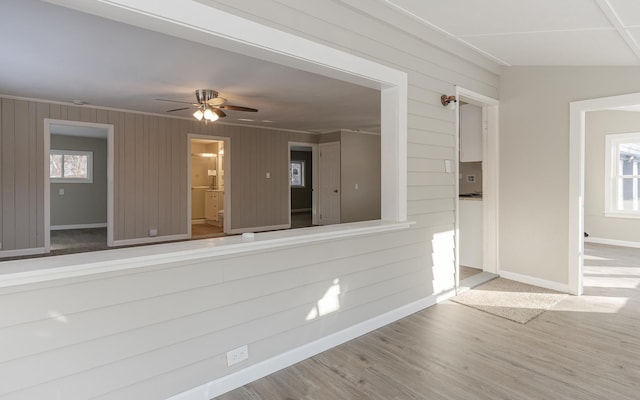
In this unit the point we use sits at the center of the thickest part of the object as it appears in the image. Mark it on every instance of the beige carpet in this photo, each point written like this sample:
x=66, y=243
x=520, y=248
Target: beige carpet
x=512, y=300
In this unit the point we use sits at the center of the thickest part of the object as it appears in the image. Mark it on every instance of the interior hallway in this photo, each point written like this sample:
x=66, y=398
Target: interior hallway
x=587, y=347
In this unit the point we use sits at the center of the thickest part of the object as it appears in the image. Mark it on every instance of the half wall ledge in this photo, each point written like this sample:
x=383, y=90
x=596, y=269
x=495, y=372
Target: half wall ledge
x=35, y=270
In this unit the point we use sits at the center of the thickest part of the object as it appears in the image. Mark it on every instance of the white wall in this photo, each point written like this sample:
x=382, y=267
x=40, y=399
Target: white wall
x=166, y=328
x=598, y=125
x=534, y=164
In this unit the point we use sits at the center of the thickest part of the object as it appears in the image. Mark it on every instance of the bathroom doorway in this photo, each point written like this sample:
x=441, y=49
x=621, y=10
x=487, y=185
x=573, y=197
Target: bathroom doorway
x=208, y=185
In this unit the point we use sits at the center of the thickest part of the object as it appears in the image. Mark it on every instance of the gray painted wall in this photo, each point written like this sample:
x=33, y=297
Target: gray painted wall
x=534, y=160
x=359, y=165
x=598, y=125
x=82, y=203
x=150, y=171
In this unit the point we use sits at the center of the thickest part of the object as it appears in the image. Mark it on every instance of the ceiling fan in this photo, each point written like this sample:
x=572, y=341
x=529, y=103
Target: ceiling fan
x=209, y=106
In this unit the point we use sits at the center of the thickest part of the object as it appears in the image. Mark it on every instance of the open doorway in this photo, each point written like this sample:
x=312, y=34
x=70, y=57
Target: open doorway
x=78, y=186
x=477, y=189
x=577, y=171
x=303, y=178
x=208, y=194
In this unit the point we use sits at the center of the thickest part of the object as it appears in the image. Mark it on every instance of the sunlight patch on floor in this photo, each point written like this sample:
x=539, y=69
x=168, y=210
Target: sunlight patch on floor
x=592, y=304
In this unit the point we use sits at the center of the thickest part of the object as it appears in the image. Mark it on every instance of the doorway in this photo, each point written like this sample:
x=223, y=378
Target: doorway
x=576, y=229
x=477, y=188
x=78, y=186
x=303, y=180
x=208, y=195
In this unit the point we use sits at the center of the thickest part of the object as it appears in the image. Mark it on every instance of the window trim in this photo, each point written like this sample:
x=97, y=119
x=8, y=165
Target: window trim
x=302, y=184
x=63, y=179
x=610, y=175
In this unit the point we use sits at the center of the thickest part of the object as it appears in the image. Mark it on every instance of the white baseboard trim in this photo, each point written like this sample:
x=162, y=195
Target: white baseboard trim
x=260, y=229
x=149, y=240
x=560, y=287
x=78, y=226
x=612, y=242
x=240, y=378
x=199, y=221
x=22, y=252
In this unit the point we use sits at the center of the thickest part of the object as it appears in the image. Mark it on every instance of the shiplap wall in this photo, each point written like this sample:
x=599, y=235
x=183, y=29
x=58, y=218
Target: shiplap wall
x=165, y=329
x=150, y=171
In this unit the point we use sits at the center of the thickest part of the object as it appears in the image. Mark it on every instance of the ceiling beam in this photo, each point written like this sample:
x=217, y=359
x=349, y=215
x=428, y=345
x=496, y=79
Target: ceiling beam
x=612, y=16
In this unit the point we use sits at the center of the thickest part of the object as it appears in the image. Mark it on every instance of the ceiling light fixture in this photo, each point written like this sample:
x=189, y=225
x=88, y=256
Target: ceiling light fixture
x=448, y=101
x=207, y=113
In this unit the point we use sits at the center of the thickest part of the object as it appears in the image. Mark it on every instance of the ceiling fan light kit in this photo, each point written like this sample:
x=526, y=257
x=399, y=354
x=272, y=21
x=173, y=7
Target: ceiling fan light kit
x=209, y=106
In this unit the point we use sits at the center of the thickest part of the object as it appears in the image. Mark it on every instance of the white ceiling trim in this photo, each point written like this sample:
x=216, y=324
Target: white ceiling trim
x=435, y=27
x=475, y=35
x=613, y=17
x=590, y=32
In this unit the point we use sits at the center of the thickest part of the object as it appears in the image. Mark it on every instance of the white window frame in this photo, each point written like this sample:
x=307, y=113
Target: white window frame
x=611, y=176
x=302, y=184
x=63, y=179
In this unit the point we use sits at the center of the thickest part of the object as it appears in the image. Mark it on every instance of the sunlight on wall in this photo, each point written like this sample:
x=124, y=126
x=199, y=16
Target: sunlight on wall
x=590, y=257
x=443, y=257
x=329, y=303
x=57, y=316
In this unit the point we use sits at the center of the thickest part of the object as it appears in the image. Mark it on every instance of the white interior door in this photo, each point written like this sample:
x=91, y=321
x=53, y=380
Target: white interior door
x=329, y=207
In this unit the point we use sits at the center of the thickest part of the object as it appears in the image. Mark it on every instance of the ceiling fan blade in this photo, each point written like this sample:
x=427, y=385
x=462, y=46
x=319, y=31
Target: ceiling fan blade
x=238, y=108
x=216, y=101
x=179, y=109
x=219, y=112
x=176, y=101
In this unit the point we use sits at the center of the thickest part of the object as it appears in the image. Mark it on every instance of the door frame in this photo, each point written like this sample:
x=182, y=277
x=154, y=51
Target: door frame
x=490, y=180
x=577, y=125
x=314, y=179
x=226, y=223
x=47, y=186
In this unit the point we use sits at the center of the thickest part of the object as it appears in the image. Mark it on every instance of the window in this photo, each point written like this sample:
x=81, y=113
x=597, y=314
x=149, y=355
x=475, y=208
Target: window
x=297, y=174
x=70, y=166
x=622, y=174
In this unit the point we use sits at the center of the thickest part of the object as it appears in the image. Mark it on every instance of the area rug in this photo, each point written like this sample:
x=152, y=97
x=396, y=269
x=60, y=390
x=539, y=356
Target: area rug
x=512, y=300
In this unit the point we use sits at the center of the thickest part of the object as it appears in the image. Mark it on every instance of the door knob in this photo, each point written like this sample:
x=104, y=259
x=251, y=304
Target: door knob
x=335, y=190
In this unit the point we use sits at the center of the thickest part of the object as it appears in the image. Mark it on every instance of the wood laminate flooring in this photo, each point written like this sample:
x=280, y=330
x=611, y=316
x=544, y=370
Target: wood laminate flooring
x=586, y=347
x=467, y=272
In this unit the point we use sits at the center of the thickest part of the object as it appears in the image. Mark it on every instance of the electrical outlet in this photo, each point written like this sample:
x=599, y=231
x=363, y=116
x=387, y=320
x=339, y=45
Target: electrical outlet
x=153, y=232
x=237, y=355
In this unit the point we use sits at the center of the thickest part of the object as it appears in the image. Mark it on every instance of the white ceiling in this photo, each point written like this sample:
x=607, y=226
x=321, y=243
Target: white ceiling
x=54, y=53
x=537, y=32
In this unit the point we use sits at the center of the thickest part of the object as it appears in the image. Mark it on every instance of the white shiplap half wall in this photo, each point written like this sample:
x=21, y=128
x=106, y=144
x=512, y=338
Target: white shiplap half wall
x=163, y=330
